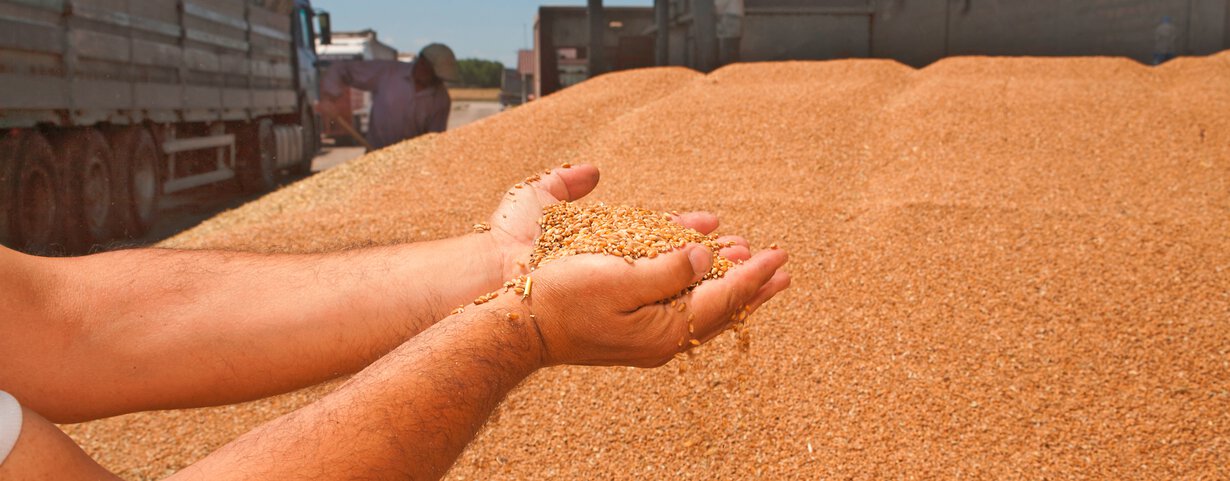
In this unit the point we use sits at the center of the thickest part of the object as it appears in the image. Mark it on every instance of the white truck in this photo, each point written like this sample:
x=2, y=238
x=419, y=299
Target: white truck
x=361, y=45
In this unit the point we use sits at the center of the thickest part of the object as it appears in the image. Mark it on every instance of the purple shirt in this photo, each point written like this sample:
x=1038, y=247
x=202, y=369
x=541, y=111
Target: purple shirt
x=398, y=112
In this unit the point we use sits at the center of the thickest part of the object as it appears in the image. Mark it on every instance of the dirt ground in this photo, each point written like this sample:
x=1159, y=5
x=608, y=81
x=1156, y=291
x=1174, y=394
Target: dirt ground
x=1004, y=268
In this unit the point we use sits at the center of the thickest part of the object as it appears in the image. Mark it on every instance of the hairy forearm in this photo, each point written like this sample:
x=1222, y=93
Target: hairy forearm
x=149, y=329
x=409, y=415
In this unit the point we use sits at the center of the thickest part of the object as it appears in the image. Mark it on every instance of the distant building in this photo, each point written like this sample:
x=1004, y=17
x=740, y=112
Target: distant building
x=561, y=44
x=525, y=76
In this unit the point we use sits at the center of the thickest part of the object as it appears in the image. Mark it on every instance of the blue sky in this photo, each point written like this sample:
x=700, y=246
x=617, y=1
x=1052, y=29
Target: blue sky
x=492, y=29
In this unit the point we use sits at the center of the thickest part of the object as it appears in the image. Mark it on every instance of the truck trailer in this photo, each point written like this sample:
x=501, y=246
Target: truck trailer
x=106, y=105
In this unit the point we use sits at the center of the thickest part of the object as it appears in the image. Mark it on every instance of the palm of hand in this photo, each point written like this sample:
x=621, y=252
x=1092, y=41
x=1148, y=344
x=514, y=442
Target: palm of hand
x=514, y=225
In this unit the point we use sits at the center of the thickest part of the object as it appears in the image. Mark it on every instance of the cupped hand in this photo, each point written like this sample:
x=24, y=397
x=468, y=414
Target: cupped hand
x=601, y=310
x=514, y=225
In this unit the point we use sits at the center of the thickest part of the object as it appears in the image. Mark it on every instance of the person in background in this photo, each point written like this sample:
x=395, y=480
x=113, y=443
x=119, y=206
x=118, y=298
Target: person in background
x=1164, y=41
x=408, y=99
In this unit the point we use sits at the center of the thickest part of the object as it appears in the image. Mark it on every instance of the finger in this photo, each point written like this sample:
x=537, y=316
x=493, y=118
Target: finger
x=649, y=281
x=736, y=253
x=779, y=282
x=716, y=300
x=733, y=240
x=569, y=183
x=738, y=250
x=703, y=222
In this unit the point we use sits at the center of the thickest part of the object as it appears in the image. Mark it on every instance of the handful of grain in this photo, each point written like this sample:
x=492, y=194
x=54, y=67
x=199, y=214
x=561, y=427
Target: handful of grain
x=628, y=232
x=632, y=233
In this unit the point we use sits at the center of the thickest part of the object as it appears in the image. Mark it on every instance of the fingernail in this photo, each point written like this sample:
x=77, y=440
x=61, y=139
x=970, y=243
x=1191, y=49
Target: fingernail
x=701, y=259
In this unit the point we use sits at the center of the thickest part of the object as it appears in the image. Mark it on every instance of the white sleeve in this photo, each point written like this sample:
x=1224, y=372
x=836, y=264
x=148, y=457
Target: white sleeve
x=10, y=424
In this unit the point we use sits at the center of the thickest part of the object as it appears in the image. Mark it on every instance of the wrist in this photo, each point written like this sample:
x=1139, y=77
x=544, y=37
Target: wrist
x=512, y=319
x=483, y=270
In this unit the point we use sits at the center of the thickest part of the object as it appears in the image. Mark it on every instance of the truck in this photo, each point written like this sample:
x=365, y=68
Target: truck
x=107, y=105
x=512, y=89
x=360, y=45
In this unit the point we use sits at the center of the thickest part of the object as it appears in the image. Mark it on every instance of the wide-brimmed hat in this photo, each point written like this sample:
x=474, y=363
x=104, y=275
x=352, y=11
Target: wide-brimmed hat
x=442, y=60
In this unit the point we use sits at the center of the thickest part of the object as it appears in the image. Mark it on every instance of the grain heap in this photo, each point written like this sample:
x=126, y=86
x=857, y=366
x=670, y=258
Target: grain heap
x=1004, y=268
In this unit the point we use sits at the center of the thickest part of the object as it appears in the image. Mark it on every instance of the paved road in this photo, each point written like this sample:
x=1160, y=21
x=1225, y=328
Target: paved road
x=467, y=112
x=184, y=210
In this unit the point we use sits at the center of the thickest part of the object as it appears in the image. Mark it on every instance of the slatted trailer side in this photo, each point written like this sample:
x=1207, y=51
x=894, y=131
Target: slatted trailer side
x=105, y=105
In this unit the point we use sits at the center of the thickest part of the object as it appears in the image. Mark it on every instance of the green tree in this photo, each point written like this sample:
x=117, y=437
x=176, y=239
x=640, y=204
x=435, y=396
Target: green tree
x=480, y=73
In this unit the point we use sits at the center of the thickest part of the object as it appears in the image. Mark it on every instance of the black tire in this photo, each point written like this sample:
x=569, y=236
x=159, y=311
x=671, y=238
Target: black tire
x=311, y=140
x=256, y=151
x=90, y=195
x=138, y=166
x=37, y=223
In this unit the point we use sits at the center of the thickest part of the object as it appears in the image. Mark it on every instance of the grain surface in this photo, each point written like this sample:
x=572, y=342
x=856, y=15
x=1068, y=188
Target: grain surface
x=1004, y=268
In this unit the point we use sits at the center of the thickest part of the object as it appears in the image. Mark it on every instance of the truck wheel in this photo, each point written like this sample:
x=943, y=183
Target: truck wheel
x=36, y=224
x=86, y=159
x=136, y=168
x=311, y=140
x=257, y=147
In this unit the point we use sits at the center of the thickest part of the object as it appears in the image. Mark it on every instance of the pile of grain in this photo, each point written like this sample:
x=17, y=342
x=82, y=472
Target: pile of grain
x=1003, y=268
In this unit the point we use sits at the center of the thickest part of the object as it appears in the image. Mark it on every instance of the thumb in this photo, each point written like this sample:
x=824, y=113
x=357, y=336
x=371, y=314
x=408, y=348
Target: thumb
x=668, y=274
x=570, y=183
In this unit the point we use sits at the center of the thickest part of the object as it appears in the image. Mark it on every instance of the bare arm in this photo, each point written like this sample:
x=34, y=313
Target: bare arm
x=44, y=452
x=153, y=329
x=411, y=414
x=407, y=416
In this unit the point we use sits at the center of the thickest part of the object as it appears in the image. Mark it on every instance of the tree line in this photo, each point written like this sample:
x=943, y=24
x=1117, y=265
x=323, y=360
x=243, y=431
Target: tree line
x=479, y=73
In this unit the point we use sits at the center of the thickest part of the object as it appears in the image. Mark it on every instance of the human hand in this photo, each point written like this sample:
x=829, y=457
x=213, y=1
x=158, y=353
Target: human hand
x=600, y=310
x=514, y=225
